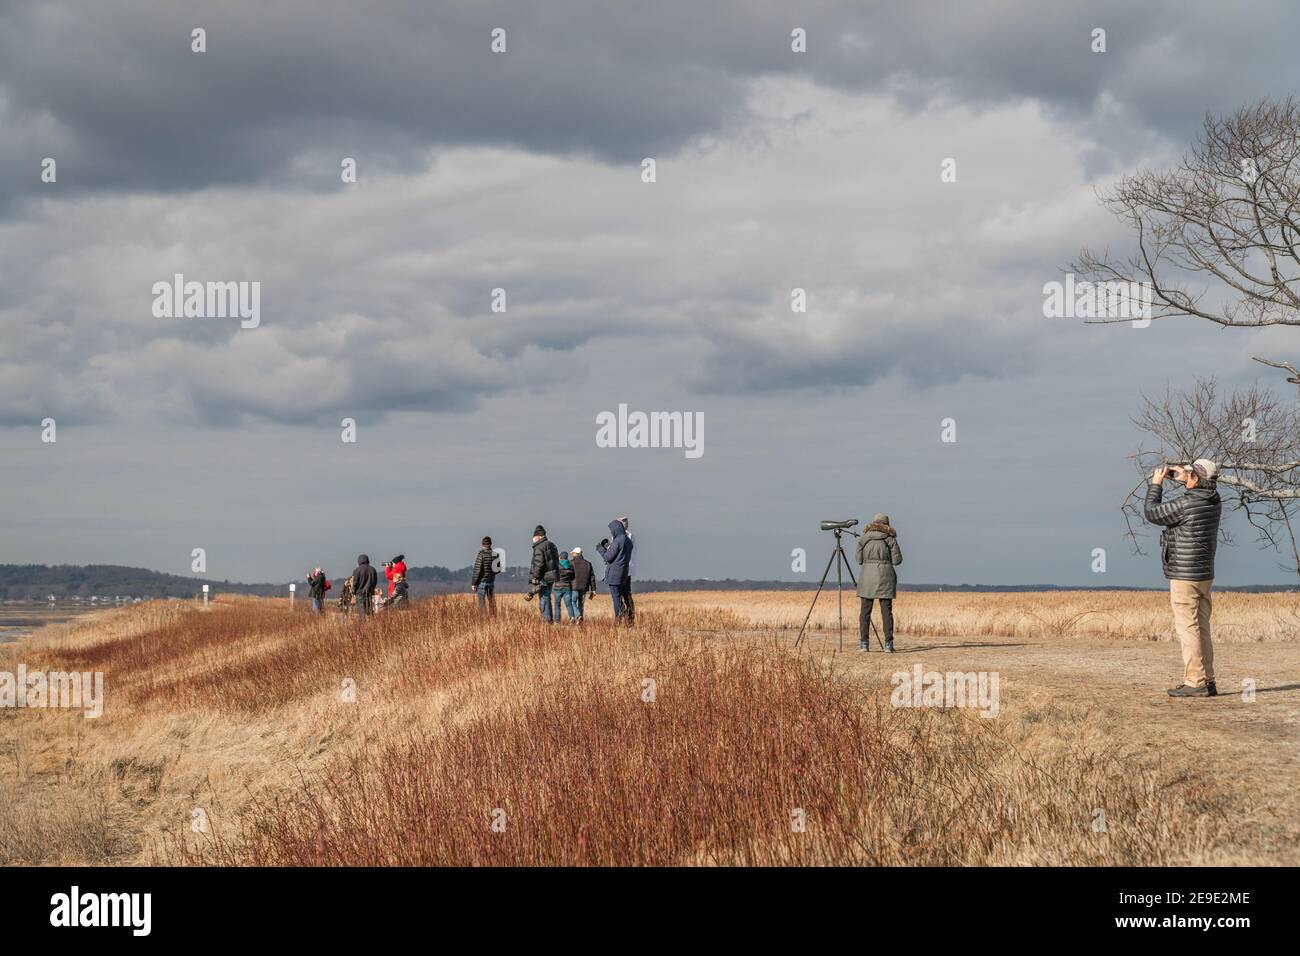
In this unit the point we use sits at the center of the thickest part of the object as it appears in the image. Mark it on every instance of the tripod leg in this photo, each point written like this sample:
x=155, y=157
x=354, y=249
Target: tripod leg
x=799, y=639
x=839, y=591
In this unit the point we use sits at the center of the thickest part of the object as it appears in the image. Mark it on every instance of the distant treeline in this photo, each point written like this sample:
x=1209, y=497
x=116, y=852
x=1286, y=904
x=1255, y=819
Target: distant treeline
x=37, y=582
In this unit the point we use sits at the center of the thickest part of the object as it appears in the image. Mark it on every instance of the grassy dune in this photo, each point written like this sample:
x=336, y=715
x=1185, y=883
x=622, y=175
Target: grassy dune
x=697, y=738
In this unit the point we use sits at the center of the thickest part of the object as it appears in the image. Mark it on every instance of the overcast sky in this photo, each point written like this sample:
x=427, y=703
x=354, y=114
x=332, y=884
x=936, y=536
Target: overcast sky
x=522, y=170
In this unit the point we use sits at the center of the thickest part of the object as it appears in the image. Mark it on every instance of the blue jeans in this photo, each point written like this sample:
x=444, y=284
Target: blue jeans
x=363, y=605
x=544, y=600
x=487, y=597
x=565, y=595
x=315, y=605
x=580, y=602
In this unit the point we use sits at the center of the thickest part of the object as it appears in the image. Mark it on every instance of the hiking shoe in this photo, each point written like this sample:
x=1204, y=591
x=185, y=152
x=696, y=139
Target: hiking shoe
x=889, y=647
x=1186, y=690
x=863, y=647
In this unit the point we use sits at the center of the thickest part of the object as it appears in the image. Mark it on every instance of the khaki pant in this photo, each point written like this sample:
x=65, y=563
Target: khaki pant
x=1191, y=604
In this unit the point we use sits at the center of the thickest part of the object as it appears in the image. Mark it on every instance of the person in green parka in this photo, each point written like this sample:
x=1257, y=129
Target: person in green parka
x=878, y=555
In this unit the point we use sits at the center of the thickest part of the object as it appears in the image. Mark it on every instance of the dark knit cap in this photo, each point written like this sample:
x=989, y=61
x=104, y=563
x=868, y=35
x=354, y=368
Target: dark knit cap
x=539, y=531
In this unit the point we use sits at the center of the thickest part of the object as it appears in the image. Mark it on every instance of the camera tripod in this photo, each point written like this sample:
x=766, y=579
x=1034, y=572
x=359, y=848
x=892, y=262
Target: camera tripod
x=841, y=562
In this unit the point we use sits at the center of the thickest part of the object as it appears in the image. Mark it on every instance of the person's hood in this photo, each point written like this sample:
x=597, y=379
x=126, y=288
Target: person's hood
x=616, y=528
x=363, y=559
x=879, y=530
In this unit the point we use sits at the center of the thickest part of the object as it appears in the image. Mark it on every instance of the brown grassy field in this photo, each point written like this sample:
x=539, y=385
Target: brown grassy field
x=251, y=735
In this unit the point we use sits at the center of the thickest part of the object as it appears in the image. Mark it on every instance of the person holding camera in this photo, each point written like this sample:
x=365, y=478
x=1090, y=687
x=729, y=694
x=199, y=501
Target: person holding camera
x=543, y=571
x=317, y=585
x=878, y=555
x=1187, y=547
x=616, y=551
x=392, y=569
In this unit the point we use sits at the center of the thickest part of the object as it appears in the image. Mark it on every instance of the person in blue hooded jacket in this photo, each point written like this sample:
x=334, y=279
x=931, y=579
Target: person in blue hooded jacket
x=616, y=550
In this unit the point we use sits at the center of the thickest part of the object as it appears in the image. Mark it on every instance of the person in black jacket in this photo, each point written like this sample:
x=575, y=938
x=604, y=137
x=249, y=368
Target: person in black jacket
x=317, y=585
x=484, y=580
x=584, y=580
x=544, y=570
x=563, y=591
x=364, y=580
x=1187, y=546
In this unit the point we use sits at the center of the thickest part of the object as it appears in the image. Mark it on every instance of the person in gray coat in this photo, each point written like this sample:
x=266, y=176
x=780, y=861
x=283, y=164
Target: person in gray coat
x=878, y=555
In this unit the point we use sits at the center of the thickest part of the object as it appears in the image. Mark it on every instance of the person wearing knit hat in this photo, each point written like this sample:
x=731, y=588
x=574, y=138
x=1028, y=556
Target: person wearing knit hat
x=1187, y=546
x=544, y=571
x=878, y=555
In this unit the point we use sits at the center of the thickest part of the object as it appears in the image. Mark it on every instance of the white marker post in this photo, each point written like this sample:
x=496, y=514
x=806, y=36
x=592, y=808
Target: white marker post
x=205, y=597
x=292, y=589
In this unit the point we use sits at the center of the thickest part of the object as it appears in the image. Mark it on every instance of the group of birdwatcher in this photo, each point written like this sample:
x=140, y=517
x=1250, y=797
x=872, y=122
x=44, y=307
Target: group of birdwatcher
x=362, y=591
x=561, y=581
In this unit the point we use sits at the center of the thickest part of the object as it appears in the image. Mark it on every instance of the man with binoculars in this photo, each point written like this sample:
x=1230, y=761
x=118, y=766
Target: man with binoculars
x=1187, y=546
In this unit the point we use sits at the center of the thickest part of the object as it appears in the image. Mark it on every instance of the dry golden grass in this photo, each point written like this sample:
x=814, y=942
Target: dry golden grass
x=240, y=713
x=1127, y=615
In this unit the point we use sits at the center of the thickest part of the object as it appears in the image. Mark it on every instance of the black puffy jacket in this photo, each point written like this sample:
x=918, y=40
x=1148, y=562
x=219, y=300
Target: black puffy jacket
x=484, y=568
x=1191, y=534
x=546, y=563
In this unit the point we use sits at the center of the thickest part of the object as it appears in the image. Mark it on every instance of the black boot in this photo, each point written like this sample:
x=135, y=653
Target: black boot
x=1186, y=690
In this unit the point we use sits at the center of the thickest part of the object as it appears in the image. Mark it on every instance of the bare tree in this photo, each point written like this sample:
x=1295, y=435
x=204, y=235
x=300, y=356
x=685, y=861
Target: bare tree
x=1218, y=238
x=1254, y=436
x=1228, y=214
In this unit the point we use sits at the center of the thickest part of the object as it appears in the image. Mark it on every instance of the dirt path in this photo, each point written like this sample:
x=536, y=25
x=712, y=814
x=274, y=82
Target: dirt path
x=1112, y=694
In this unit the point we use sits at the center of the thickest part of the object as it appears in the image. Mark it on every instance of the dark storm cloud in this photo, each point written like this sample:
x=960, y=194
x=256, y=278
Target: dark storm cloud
x=113, y=92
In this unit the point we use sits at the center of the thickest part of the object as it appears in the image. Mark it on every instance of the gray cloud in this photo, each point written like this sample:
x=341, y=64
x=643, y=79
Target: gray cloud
x=115, y=94
x=776, y=171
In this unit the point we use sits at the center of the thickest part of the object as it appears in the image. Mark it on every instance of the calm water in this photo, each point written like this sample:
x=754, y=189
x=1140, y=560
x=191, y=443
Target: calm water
x=17, y=620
